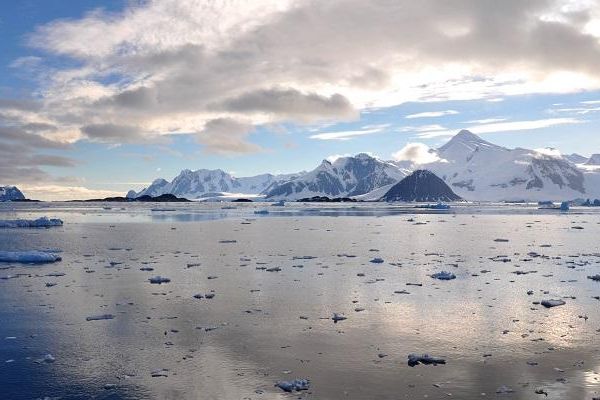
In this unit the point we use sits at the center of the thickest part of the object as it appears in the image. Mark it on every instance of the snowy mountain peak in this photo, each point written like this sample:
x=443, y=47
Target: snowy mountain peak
x=594, y=160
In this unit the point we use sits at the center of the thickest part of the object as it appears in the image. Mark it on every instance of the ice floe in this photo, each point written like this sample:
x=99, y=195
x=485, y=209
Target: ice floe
x=29, y=257
x=43, y=222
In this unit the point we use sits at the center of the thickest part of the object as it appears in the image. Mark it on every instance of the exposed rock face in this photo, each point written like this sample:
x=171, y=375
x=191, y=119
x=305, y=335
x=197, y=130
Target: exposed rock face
x=421, y=185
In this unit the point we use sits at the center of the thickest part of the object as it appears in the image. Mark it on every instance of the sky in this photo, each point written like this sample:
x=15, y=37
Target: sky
x=99, y=97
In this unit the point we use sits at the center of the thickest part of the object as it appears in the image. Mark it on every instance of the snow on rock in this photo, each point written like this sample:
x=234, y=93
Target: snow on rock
x=345, y=177
x=43, y=222
x=29, y=257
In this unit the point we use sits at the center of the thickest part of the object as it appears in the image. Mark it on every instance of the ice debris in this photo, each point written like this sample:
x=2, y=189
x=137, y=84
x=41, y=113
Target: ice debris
x=416, y=359
x=295, y=385
x=552, y=303
x=99, y=317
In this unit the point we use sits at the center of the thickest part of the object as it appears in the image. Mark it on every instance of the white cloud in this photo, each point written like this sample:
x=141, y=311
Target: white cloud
x=418, y=153
x=548, y=151
x=332, y=158
x=432, y=114
x=134, y=75
x=345, y=135
x=512, y=126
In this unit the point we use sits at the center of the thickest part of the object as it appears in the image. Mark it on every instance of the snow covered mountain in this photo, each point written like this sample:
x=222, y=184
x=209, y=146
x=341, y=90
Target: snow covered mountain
x=479, y=170
x=346, y=176
x=198, y=184
x=576, y=158
x=475, y=169
x=9, y=193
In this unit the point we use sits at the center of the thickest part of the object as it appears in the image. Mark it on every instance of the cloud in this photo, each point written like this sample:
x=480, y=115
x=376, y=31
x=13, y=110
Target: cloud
x=417, y=153
x=279, y=62
x=290, y=103
x=548, y=151
x=332, y=158
x=432, y=114
x=60, y=192
x=512, y=126
x=346, y=135
x=111, y=133
x=226, y=136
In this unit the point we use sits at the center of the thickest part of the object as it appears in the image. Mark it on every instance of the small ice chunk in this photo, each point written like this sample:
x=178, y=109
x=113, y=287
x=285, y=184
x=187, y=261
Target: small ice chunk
x=48, y=358
x=338, y=317
x=377, y=260
x=594, y=277
x=552, y=303
x=99, y=317
x=29, y=257
x=504, y=390
x=159, y=279
x=444, y=276
x=295, y=385
x=416, y=359
x=209, y=295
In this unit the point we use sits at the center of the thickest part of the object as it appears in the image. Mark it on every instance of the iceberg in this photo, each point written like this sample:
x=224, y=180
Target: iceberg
x=29, y=257
x=443, y=275
x=43, y=222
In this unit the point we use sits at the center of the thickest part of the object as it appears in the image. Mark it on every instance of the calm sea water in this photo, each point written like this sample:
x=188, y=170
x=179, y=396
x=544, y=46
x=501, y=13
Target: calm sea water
x=265, y=326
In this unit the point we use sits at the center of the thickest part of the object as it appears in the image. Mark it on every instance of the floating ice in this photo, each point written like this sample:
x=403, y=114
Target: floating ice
x=416, y=359
x=337, y=317
x=295, y=385
x=504, y=390
x=443, y=275
x=552, y=303
x=48, y=358
x=29, y=257
x=43, y=222
x=159, y=279
x=377, y=260
x=594, y=277
x=99, y=317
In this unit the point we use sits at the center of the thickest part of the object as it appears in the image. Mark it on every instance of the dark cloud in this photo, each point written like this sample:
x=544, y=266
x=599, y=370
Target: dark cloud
x=227, y=136
x=290, y=103
x=113, y=133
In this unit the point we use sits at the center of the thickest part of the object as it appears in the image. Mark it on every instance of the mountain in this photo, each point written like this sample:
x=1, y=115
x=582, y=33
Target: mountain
x=421, y=185
x=475, y=169
x=10, y=193
x=479, y=170
x=593, y=160
x=199, y=183
x=345, y=177
x=576, y=158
